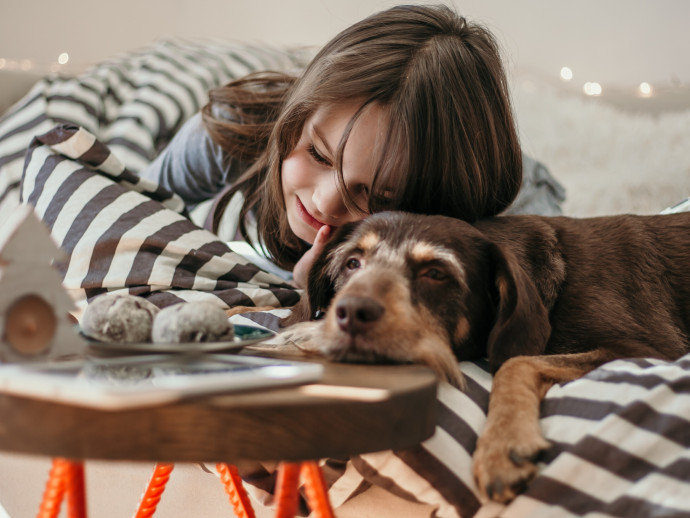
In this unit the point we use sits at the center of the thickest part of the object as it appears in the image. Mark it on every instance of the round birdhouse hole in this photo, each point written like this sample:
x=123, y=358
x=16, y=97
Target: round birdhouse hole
x=30, y=325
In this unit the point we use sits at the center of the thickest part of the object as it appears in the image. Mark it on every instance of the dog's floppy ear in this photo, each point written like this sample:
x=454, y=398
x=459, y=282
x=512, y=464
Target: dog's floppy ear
x=320, y=290
x=522, y=322
x=320, y=286
x=298, y=313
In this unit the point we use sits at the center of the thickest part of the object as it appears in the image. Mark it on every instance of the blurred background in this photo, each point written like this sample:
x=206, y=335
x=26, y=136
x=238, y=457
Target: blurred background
x=614, y=45
x=601, y=87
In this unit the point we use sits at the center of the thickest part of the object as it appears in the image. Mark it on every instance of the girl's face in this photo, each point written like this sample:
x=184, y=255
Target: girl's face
x=308, y=173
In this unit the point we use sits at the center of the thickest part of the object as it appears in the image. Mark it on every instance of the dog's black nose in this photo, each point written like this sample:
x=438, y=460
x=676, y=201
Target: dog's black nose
x=357, y=314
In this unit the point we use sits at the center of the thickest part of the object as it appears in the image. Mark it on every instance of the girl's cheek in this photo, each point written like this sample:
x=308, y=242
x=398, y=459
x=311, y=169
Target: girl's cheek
x=296, y=172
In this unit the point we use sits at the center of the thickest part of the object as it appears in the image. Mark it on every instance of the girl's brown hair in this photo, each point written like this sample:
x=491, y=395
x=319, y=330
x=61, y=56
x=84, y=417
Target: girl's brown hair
x=451, y=146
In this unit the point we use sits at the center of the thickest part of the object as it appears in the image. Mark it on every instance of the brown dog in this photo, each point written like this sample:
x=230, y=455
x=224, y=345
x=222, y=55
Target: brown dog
x=545, y=299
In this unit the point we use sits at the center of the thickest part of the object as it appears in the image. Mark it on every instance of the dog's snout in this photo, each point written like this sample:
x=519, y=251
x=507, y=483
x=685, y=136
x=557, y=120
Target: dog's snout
x=357, y=314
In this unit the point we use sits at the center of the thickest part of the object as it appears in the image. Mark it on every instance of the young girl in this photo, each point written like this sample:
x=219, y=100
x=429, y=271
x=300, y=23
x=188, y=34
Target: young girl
x=407, y=109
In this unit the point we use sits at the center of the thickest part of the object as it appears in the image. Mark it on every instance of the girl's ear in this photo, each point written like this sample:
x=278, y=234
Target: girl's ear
x=522, y=322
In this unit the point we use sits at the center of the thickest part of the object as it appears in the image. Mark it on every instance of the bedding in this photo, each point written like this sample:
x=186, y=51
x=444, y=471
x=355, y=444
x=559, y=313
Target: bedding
x=125, y=234
x=72, y=148
x=85, y=138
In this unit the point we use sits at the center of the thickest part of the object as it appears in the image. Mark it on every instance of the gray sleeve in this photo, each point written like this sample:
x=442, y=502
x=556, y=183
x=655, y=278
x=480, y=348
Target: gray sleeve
x=192, y=165
x=540, y=193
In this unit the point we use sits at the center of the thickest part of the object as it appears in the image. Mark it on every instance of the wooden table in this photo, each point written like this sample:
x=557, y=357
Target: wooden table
x=355, y=409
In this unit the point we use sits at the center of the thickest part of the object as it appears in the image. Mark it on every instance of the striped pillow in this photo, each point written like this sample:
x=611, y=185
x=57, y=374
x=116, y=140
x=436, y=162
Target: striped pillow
x=123, y=233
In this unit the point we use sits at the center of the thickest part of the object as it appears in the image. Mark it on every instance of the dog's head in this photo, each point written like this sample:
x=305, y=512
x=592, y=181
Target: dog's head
x=421, y=289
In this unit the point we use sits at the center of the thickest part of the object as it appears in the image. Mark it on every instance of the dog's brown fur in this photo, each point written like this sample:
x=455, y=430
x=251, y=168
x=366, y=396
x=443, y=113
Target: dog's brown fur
x=545, y=299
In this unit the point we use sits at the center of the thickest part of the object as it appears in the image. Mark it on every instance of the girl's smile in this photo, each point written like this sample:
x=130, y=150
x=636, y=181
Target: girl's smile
x=308, y=218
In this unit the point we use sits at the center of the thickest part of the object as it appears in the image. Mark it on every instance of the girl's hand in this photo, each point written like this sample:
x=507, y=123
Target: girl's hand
x=301, y=271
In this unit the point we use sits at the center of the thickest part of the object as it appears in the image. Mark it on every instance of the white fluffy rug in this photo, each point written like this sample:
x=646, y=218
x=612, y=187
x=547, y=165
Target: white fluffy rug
x=610, y=160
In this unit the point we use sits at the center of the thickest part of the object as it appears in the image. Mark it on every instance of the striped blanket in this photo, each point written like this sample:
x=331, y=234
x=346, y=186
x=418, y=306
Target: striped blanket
x=620, y=447
x=79, y=142
x=72, y=147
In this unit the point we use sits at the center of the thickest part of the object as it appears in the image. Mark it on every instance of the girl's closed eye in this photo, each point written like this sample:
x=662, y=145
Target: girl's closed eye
x=318, y=157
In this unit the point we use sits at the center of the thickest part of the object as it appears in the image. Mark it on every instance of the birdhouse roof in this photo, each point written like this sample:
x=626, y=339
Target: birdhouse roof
x=24, y=237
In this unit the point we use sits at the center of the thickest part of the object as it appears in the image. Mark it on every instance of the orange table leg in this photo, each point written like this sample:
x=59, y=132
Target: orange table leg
x=66, y=477
x=152, y=495
x=54, y=491
x=315, y=490
x=287, y=490
x=239, y=499
x=76, y=495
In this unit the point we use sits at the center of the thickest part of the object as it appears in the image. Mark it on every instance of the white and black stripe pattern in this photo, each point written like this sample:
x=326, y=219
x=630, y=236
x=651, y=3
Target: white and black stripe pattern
x=119, y=234
x=439, y=471
x=621, y=440
x=621, y=447
x=133, y=103
x=74, y=142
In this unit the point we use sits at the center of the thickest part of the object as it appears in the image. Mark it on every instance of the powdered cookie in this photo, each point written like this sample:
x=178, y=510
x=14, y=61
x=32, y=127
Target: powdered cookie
x=119, y=318
x=192, y=322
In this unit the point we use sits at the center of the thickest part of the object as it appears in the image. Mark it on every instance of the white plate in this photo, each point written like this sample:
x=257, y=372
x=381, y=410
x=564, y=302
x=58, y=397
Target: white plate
x=244, y=335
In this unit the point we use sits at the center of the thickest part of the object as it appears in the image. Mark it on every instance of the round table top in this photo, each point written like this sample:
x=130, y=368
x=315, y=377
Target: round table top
x=354, y=409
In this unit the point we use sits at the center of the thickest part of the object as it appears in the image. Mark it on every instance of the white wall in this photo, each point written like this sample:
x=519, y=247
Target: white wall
x=614, y=42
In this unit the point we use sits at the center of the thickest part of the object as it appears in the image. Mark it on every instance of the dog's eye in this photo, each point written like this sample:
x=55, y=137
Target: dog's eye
x=434, y=274
x=352, y=263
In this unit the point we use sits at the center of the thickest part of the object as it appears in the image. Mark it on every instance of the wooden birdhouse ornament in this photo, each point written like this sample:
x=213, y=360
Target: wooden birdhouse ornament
x=34, y=306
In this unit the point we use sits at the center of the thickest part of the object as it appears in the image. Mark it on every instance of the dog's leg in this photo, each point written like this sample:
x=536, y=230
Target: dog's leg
x=507, y=450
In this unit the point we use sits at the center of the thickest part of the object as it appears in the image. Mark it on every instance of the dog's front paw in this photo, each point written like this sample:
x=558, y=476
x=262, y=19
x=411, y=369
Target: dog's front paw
x=305, y=337
x=505, y=460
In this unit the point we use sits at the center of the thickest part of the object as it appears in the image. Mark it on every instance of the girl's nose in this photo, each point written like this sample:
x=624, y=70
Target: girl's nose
x=328, y=200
